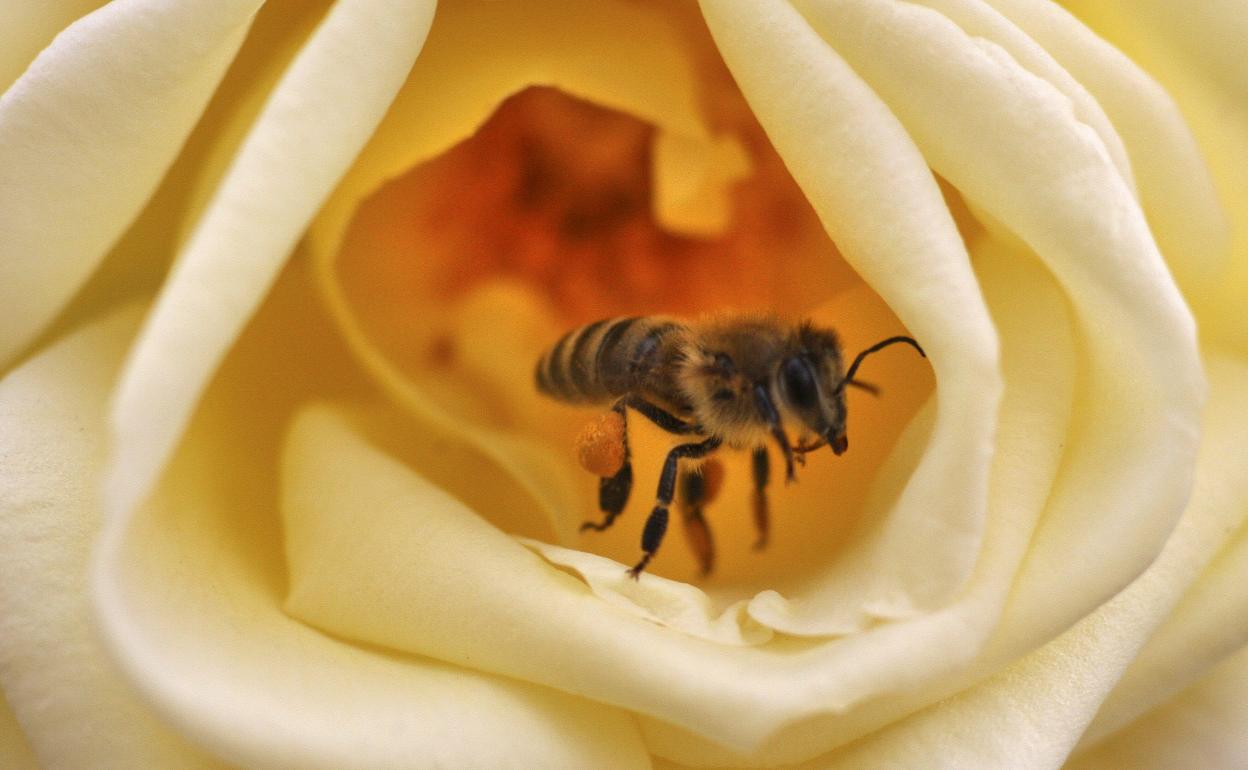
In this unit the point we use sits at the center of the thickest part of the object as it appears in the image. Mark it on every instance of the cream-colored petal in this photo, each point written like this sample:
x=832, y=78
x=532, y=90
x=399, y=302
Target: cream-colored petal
x=15, y=751
x=1203, y=727
x=85, y=136
x=980, y=20
x=73, y=707
x=1210, y=623
x=879, y=202
x=189, y=590
x=1173, y=179
x=1012, y=144
x=1032, y=713
x=1210, y=34
x=28, y=29
x=1218, y=116
x=669, y=603
x=313, y=124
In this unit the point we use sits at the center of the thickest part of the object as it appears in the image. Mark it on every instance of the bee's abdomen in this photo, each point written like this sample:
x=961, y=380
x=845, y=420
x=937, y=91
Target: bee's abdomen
x=602, y=360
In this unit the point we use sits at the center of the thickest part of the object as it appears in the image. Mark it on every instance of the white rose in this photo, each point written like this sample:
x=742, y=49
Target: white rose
x=276, y=490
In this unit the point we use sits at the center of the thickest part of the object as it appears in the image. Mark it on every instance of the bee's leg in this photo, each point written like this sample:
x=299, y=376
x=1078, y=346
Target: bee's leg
x=613, y=491
x=762, y=519
x=656, y=524
x=697, y=488
x=662, y=418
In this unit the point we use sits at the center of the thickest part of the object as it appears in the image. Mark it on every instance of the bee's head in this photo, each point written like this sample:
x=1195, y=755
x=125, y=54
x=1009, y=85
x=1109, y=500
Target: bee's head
x=809, y=384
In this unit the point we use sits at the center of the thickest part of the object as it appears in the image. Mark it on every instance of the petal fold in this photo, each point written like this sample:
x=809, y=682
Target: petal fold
x=85, y=136
x=1033, y=713
x=1175, y=187
x=188, y=591
x=878, y=201
x=73, y=706
x=314, y=123
x=1014, y=147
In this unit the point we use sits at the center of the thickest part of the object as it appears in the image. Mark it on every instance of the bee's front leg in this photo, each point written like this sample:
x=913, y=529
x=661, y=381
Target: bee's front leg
x=656, y=524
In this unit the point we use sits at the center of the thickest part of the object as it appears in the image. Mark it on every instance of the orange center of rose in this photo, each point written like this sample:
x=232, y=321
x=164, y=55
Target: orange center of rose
x=556, y=194
x=462, y=270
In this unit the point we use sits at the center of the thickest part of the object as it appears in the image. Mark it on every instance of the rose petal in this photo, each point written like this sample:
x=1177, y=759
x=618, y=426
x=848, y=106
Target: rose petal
x=1218, y=116
x=1010, y=142
x=85, y=136
x=1210, y=35
x=73, y=707
x=28, y=29
x=1174, y=184
x=670, y=603
x=879, y=202
x=313, y=124
x=1203, y=727
x=691, y=180
x=15, y=752
x=188, y=593
x=1032, y=713
x=1211, y=622
x=980, y=20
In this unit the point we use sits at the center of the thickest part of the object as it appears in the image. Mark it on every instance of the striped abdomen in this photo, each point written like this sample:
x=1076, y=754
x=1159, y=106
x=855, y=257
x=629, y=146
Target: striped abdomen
x=606, y=359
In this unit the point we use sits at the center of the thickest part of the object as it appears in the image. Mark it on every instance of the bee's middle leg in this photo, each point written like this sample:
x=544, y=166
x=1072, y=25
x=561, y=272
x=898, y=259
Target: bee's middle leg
x=762, y=518
x=656, y=524
x=697, y=488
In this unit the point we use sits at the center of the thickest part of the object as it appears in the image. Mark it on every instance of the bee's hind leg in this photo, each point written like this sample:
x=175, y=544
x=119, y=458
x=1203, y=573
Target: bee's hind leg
x=613, y=491
x=697, y=488
x=656, y=524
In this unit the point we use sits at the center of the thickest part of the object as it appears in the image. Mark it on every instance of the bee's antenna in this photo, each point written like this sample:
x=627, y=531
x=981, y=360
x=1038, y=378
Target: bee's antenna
x=872, y=389
x=849, y=375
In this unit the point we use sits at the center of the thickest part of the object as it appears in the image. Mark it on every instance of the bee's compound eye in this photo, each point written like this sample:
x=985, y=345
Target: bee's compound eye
x=799, y=383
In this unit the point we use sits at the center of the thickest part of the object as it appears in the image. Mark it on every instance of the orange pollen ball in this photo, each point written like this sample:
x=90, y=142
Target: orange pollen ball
x=600, y=445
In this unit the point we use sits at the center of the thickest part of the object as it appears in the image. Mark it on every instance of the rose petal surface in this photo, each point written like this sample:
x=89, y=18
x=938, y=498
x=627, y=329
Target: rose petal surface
x=1011, y=143
x=1036, y=709
x=30, y=27
x=313, y=124
x=1217, y=114
x=85, y=136
x=188, y=591
x=73, y=707
x=879, y=202
x=15, y=752
x=1173, y=179
x=1202, y=727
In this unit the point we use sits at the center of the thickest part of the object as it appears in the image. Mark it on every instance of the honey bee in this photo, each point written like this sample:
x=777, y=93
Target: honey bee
x=732, y=379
